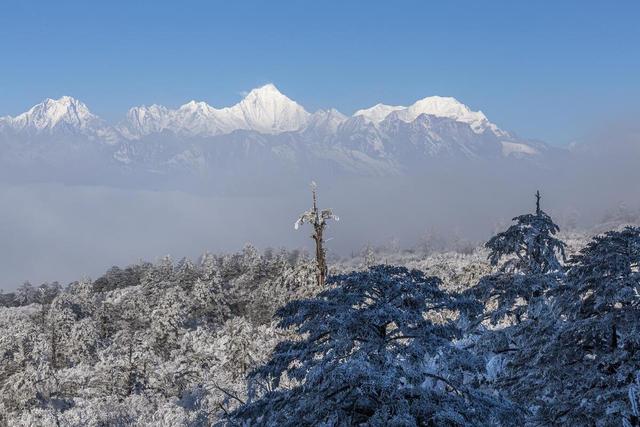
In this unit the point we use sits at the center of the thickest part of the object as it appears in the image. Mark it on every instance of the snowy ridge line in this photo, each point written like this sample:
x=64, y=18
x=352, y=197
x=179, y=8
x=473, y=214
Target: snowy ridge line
x=264, y=109
x=265, y=128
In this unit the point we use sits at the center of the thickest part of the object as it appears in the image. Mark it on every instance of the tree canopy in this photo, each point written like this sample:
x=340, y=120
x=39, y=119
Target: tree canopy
x=377, y=347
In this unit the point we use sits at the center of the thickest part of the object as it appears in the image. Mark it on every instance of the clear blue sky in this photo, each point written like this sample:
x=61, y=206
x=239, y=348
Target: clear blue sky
x=545, y=69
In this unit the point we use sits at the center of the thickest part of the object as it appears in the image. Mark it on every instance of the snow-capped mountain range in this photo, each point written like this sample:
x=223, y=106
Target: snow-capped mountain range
x=264, y=127
x=264, y=109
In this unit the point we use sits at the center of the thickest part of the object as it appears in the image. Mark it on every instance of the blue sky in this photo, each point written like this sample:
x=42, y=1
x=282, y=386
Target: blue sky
x=551, y=70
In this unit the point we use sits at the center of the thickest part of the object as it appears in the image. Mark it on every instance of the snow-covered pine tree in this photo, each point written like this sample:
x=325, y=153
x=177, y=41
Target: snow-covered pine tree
x=369, y=352
x=318, y=219
x=585, y=351
x=368, y=256
x=632, y=419
x=529, y=245
x=533, y=265
x=517, y=297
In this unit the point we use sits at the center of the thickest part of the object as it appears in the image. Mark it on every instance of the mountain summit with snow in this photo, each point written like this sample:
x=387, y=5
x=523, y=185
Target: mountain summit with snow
x=265, y=131
x=267, y=110
x=65, y=113
x=264, y=109
x=438, y=106
x=378, y=112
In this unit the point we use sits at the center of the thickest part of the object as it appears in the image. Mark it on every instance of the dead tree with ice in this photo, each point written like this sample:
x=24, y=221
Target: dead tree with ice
x=318, y=219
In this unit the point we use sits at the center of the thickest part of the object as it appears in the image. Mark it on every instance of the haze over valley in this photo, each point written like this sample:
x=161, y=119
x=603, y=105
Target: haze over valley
x=79, y=194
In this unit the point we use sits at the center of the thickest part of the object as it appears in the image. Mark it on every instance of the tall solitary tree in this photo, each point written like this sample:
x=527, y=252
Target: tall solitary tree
x=318, y=219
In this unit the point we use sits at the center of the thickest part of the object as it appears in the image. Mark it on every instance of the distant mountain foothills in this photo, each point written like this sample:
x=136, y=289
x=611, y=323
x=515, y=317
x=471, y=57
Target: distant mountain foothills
x=264, y=135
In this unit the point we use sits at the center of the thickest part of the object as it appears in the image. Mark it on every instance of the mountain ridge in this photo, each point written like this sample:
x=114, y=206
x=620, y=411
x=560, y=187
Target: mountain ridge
x=264, y=109
x=266, y=132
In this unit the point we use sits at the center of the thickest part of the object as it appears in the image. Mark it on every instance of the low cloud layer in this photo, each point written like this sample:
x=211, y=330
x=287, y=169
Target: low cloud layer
x=56, y=232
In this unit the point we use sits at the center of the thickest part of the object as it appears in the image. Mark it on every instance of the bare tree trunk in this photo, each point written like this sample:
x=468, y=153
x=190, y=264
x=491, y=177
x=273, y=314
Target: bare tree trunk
x=131, y=373
x=54, y=348
x=318, y=237
x=321, y=262
x=317, y=219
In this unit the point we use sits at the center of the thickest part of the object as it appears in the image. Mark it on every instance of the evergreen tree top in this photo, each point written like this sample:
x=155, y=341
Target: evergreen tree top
x=529, y=244
x=612, y=255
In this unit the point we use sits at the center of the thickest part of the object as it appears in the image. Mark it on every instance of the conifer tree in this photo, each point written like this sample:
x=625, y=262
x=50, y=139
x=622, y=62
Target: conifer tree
x=529, y=245
x=533, y=265
x=632, y=419
x=576, y=362
x=529, y=259
x=369, y=353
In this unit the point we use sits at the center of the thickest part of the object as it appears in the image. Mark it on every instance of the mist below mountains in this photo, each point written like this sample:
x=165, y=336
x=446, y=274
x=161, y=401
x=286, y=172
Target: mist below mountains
x=78, y=195
x=62, y=232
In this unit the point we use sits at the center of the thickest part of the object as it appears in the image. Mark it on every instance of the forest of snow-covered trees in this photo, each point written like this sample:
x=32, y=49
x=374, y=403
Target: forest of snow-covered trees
x=536, y=327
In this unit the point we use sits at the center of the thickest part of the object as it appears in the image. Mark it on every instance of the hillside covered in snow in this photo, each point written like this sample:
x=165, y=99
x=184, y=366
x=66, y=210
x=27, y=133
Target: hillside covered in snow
x=182, y=343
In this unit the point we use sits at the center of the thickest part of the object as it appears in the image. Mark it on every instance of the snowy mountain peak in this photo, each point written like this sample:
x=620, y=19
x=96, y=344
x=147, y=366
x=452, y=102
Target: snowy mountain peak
x=268, y=90
x=65, y=112
x=144, y=120
x=143, y=111
x=378, y=112
x=439, y=106
x=64, y=100
x=333, y=113
x=265, y=96
x=196, y=106
x=326, y=121
x=448, y=107
x=266, y=109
